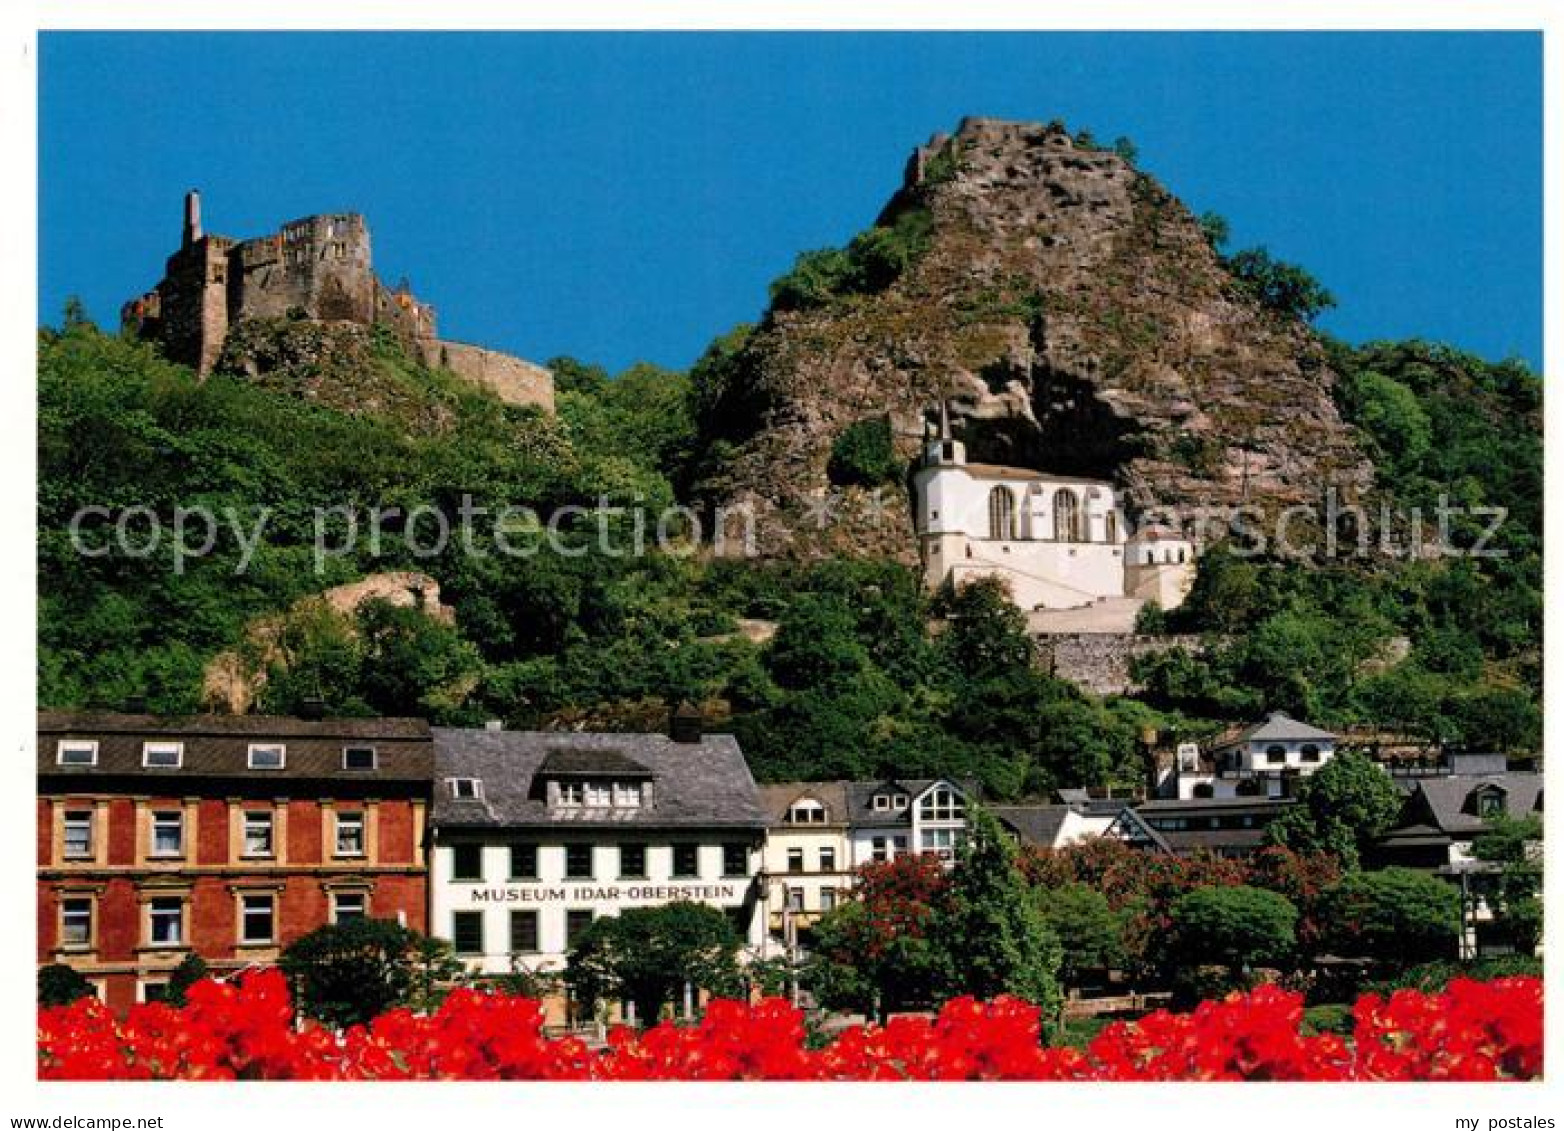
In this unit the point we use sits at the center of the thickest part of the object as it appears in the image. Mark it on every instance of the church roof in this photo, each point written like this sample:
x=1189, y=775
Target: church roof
x=1028, y=475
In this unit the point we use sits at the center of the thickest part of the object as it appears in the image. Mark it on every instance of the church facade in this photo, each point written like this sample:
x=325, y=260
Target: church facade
x=1059, y=542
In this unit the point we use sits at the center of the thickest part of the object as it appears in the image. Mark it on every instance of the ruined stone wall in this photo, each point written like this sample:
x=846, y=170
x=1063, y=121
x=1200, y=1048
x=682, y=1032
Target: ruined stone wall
x=193, y=302
x=511, y=379
x=1100, y=662
x=319, y=266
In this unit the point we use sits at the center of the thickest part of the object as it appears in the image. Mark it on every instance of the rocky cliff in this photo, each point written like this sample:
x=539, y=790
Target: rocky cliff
x=1077, y=317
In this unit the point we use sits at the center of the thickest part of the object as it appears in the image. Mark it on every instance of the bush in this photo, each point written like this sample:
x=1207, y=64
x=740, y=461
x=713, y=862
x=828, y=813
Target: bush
x=191, y=969
x=1433, y=977
x=347, y=973
x=863, y=455
x=59, y=984
x=1279, y=286
x=1328, y=1019
x=1396, y=915
x=1236, y=926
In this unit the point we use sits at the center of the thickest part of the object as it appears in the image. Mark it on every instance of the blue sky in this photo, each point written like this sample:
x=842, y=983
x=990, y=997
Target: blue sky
x=629, y=196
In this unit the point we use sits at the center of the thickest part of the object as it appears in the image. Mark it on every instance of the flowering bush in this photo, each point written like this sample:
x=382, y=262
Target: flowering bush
x=246, y=1030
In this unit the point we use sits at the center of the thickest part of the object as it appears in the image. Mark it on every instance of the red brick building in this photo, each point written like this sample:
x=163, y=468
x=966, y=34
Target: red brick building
x=229, y=836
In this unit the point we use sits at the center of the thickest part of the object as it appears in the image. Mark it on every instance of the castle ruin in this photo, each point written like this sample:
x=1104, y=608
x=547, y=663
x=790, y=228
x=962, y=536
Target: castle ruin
x=317, y=268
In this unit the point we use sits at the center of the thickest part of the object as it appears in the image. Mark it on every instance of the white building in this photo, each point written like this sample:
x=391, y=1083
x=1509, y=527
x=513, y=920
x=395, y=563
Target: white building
x=1060, y=542
x=536, y=834
x=1264, y=760
x=819, y=833
x=1055, y=826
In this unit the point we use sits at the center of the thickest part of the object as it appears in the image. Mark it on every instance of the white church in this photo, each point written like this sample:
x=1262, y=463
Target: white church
x=1062, y=543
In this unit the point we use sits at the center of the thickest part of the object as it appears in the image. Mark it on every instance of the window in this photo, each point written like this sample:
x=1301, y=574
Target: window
x=1490, y=803
x=72, y=752
x=807, y=812
x=939, y=841
x=467, y=862
x=1067, y=517
x=257, y=918
x=571, y=793
x=627, y=795
x=257, y=833
x=1204, y=789
x=828, y=859
x=154, y=992
x=267, y=756
x=795, y=899
x=523, y=861
x=735, y=860
x=523, y=932
x=350, y=834
x=900, y=843
x=78, y=834
x=882, y=802
x=1001, y=514
x=76, y=921
x=941, y=804
x=347, y=906
x=467, y=931
x=598, y=795
x=827, y=899
x=632, y=861
x=1276, y=755
x=166, y=920
x=578, y=862
x=168, y=833
x=1309, y=752
x=463, y=789
x=795, y=860
x=899, y=802
x=358, y=758
x=880, y=849
x=686, y=861
x=162, y=755
x=575, y=923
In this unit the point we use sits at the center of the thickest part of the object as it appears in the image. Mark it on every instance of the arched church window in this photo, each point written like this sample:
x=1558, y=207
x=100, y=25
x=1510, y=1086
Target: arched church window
x=1067, y=517
x=1001, y=514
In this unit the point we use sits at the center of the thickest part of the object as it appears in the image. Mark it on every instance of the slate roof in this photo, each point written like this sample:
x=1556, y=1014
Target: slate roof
x=705, y=783
x=1280, y=727
x=862, y=814
x=1444, y=800
x=1035, y=824
x=777, y=799
x=591, y=763
x=217, y=746
x=1201, y=813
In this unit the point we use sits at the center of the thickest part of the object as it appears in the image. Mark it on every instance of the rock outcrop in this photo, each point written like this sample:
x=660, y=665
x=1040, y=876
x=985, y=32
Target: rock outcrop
x=1079, y=321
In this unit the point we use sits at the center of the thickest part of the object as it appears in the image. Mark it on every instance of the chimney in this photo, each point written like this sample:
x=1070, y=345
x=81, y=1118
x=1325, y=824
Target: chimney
x=494, y=724
x=192, y=217
x=684, y=723
x=312, y=707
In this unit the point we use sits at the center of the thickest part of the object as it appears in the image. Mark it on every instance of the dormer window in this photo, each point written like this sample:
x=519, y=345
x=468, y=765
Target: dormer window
x=899, y=802
x=882, y=803
x=76, y=752
x=162, y=755
x=359, y=758
x=571, y=793
x=1488, y=801
x=1309, y=752
x=1276, y=755
x=268, y=756
x=807, y=812
x=464, y=789
x=627, y=795
x=599, y=795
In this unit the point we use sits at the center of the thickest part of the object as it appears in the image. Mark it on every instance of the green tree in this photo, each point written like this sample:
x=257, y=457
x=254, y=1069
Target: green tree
x=348, y=973
x=1090, y=932
x=1283, y=287
x=863, y=455
x=1395, y=915
x=1234, y=926
x=648, y=954
x=59, y=984
x=191, y=969
x=1126, y=149
x=1515, y=845
x=1393, y=417
x=1214, y=226
x=1341, y=809
x=994, y=938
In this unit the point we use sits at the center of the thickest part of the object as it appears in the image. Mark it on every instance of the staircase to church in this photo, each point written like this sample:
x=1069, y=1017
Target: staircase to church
x=1105, y=615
